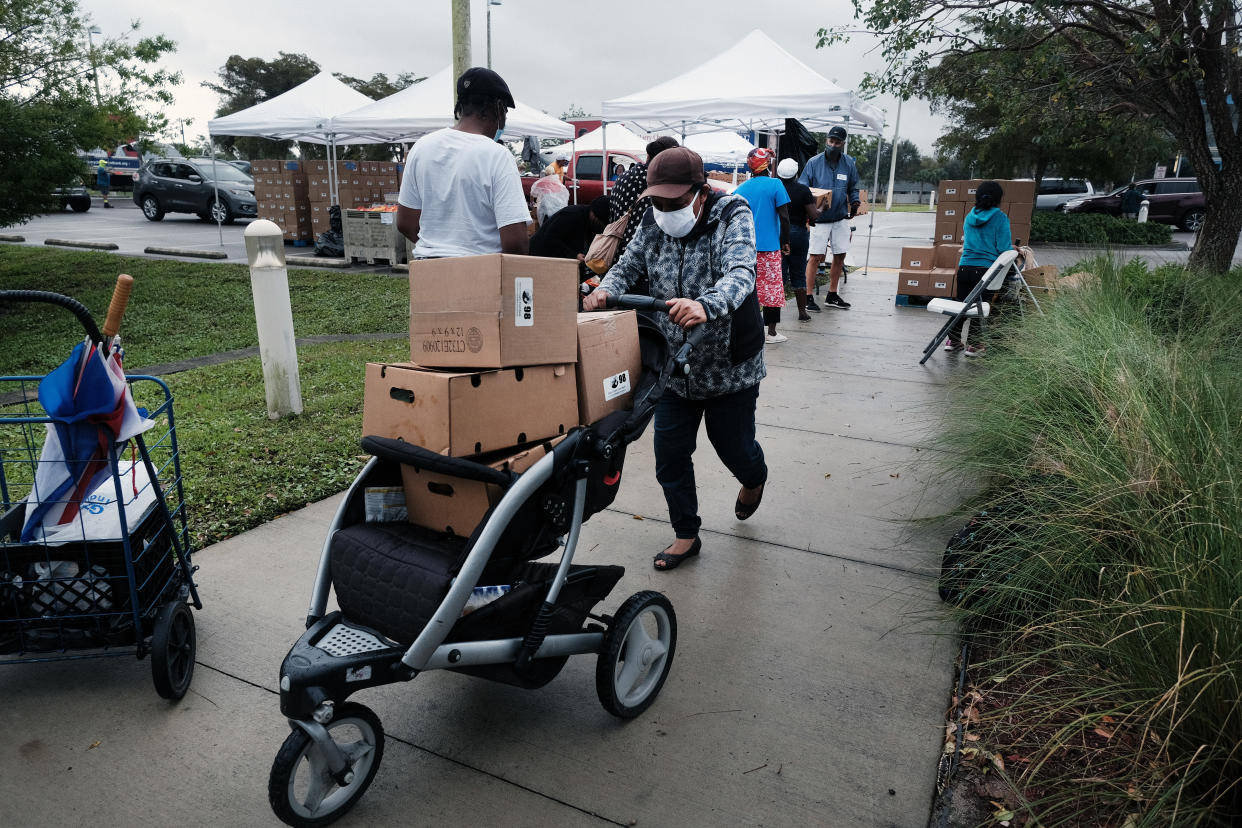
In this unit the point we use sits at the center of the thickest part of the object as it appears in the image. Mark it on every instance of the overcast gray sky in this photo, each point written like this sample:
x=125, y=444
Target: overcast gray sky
x=553, y=53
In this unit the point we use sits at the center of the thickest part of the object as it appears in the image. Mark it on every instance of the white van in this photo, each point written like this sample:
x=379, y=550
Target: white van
x=1054, y=192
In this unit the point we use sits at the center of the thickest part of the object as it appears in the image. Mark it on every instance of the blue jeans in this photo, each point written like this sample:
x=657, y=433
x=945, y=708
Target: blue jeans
x=794, y=264
x=731, y=429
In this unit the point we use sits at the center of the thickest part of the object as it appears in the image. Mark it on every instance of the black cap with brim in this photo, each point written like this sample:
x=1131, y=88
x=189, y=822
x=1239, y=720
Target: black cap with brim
x=484, y=83
x=838, y=132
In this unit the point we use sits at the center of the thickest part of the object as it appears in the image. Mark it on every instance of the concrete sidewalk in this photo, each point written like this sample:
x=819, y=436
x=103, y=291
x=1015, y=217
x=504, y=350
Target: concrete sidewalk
x=809, y=684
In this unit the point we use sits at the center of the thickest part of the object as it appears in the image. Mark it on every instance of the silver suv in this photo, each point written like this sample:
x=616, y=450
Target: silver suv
x=185, y=185
x=1055, y=192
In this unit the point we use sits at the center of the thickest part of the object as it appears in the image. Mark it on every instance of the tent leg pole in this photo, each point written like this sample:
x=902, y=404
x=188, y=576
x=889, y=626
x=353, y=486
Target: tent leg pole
x=879, y=145
x=215, y=183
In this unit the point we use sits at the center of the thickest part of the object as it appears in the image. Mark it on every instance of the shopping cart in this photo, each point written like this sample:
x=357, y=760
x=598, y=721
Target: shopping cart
x=94, y=546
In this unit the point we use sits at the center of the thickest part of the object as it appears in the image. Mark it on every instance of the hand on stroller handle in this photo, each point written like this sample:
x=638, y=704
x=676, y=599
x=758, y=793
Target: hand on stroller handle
x=638, y=302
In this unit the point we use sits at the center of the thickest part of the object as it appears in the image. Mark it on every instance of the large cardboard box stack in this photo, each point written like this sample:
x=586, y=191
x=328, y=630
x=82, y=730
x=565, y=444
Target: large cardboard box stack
x=281, y=190
x=497, y=355
x=954, y=199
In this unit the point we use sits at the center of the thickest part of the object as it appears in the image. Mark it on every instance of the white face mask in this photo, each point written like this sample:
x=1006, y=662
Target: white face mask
x=677, y=223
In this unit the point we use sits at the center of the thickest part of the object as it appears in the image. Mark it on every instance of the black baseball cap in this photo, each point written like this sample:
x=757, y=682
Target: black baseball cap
x=838, y=132
x=484, y=83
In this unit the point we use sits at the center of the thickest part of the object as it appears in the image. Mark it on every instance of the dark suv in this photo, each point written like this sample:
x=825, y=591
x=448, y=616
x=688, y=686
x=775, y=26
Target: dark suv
x=185, y=185
x=1177, y=201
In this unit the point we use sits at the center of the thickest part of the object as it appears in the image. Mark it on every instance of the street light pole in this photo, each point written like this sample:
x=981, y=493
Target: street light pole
x=94, y=30
x=490, y=3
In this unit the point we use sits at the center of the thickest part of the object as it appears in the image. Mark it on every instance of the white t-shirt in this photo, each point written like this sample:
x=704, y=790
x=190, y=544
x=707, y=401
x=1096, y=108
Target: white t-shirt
x=467, y=187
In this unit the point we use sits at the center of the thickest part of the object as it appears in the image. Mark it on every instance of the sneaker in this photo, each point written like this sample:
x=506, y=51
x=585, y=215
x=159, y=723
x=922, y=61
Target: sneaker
x=109, y=206
x=950, y=345
x=832, y=300
x=975, y=350
x=806, y=317
x=775, y=339
x=811, y=306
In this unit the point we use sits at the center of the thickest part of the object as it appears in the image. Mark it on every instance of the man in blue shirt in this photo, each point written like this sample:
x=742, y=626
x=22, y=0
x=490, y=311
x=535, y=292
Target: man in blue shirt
x=835, y=171
x=769, y=204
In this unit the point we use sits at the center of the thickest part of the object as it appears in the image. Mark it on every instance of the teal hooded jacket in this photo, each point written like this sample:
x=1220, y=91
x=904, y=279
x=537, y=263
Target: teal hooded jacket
x=985, y=236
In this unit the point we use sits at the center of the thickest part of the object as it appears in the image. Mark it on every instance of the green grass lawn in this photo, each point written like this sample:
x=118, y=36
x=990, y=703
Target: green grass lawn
x=239, y=467
x=178, y=310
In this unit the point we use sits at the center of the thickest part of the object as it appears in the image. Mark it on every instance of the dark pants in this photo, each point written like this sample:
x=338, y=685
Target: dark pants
x=731, y=429
x=794, y=265
x=968, y=277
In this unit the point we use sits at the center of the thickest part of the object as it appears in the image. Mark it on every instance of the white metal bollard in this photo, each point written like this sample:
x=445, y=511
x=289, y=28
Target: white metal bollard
x=269, y=282
x=1142, y=213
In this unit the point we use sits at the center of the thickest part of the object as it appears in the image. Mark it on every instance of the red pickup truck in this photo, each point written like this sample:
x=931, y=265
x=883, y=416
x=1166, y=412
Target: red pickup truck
x=585, y=176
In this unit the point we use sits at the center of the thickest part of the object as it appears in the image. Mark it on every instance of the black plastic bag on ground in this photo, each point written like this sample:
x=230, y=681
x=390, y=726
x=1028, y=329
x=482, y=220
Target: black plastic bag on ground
x=330, y=243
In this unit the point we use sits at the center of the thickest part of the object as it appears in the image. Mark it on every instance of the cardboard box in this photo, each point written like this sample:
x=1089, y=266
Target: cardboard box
x=452, y=504
x=947, y=232
x=1019, y=192
x=493, y=311
x=609, y=363
x=469, y=413
x=949, y=211
x=947, y=255
x=1020, y=213
x=1041, y=277
x=925, y=283
x=823, y=198
x=917, y=258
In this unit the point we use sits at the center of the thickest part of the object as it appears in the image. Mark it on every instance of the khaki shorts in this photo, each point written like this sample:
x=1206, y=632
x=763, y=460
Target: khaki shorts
x=834, y=236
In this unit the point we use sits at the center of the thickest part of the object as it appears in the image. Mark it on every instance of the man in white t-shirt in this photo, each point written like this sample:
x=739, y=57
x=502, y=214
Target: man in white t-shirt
x=461, y=194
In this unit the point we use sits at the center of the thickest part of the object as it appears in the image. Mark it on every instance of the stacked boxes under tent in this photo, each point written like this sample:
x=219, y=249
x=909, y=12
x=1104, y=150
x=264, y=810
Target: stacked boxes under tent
x=931, y=272
x=282, y=192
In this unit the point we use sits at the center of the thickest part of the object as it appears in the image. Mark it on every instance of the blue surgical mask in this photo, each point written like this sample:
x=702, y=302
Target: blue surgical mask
x=677, y=223
x=499, y=133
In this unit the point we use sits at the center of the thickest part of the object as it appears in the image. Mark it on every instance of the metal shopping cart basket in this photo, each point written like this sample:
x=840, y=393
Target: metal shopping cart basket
x=94, y=546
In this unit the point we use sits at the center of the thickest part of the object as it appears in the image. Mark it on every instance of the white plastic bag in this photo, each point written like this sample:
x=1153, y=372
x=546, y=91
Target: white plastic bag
x=99, y=517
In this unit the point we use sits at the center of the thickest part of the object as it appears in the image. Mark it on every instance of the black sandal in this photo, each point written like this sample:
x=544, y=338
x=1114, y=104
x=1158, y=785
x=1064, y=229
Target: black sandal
x=741, y=510
x=671, y=561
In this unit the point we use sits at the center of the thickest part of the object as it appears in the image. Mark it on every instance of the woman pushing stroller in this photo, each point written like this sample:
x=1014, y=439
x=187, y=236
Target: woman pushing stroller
x=696, y=248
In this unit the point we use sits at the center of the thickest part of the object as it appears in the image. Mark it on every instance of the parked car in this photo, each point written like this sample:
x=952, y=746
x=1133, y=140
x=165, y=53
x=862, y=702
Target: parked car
x=185, y=185
x=244, y=166
x=586, y=168
x=1053, y=193
x=1176, y=201
x=75, y=197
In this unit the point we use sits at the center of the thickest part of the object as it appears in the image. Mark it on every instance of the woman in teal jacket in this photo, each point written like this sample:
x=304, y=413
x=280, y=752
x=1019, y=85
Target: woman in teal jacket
x=985, y=236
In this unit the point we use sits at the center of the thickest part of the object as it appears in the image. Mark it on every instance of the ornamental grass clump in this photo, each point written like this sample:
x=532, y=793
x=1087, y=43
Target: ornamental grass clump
x=1107, y=605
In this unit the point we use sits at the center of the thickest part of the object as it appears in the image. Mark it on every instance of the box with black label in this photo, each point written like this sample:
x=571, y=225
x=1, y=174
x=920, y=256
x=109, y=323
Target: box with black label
x=917, y=258
x=466, y=413
x=926, y=283
x=609, y=363
x=453, y=504
x=493, y=311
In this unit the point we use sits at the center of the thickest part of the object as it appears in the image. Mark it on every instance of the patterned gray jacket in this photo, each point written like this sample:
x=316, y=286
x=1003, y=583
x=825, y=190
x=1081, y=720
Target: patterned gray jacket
x=714, y=264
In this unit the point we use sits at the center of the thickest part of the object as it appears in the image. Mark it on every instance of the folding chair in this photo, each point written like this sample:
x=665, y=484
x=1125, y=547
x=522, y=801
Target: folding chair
x=973, y=306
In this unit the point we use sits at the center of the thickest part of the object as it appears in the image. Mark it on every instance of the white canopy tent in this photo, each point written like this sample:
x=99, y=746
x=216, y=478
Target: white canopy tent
x=612, y=136
x=753, y=85
x=304, y=113
x=719, y=147
x=428, y=106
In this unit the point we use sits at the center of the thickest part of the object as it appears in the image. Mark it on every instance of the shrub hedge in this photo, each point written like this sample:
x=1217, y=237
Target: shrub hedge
x=1096, y=228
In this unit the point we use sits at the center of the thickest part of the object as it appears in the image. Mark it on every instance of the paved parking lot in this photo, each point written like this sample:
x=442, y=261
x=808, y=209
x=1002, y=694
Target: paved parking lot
x=126, y=227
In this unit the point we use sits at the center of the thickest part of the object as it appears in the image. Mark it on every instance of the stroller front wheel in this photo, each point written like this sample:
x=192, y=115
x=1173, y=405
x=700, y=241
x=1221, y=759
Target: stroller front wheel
x=301, y=788
x=637, y=654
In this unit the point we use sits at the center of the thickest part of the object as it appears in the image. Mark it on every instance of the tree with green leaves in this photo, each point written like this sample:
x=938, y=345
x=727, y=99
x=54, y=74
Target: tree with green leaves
x=909, y=160
x=245, y=82
x=58, y=97
x=1019, y=114
x=1175, y=64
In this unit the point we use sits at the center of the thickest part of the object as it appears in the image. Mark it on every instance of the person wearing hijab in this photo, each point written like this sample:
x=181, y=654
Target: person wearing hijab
x=985, y=235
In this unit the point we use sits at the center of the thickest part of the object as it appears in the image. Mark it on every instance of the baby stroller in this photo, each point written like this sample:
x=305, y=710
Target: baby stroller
x=402, y=590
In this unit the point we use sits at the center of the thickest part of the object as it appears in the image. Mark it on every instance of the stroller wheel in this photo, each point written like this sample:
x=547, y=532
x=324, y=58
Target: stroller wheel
x=301, y=788
x=637, y=654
